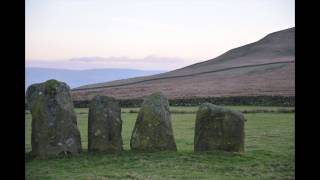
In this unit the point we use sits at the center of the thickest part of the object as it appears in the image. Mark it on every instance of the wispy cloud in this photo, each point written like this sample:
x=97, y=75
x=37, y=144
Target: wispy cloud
x=146, y=63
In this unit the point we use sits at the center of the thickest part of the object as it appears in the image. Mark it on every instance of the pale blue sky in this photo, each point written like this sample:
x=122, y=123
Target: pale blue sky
x=193, y=30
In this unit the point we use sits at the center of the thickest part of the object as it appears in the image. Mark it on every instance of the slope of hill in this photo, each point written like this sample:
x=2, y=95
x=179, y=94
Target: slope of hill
x=75, y=78
x=265, y=67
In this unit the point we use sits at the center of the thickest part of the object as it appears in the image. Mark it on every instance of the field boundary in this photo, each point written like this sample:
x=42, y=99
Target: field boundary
x=286, y=101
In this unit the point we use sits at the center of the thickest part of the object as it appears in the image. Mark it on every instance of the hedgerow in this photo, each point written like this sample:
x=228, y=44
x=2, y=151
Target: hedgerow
x=234, y=100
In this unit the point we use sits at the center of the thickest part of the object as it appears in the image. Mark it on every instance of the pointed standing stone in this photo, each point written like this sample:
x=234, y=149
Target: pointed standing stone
x=54, y=122
x=153, y=130
x=218, y=128
x=104, y=125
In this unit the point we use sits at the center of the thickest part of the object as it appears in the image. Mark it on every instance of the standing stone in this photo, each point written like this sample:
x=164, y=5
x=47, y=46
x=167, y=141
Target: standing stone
x=104, y=125
x=218, y=128
x=54, y=122
x=153, y=130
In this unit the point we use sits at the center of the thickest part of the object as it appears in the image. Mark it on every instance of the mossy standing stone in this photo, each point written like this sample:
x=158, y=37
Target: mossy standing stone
x=104, y=125
x=153, y=129
x=218, y=128
x=54, y=122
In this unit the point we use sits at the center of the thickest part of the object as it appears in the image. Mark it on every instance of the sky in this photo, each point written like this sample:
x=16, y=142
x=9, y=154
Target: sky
x=145, y=34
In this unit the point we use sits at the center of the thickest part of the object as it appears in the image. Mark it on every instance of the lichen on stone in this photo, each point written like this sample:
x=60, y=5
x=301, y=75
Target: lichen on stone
x=104, y=125
x=153, y=130
x=218, y=128
x=52, y=121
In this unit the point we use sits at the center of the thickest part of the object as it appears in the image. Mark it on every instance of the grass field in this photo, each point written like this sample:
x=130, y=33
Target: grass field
x=269, y=153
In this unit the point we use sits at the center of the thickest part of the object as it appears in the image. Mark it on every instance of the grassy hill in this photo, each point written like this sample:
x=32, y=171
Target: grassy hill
x=265, y=67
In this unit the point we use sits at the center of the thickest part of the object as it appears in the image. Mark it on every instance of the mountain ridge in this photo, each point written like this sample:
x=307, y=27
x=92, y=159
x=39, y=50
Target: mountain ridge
x=76, y=78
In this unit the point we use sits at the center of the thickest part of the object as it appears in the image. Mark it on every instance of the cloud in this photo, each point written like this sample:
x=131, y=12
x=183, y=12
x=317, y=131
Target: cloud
x=146, y=63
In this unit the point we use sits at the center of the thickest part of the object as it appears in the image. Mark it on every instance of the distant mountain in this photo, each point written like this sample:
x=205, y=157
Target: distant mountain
x=93, y=62
x=75, y=78
x=265, y=67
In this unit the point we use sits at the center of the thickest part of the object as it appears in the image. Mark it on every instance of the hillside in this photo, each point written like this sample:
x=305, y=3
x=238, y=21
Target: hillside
x=75, y=78
x=265, y=67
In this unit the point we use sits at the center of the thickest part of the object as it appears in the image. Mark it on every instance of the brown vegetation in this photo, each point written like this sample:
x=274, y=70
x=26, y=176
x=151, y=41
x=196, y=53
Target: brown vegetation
x=266, y=67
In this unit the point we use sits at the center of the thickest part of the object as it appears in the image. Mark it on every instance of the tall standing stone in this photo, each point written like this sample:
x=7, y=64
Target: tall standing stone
x=218, y=128
x=104, y=125
x=153, y=130
x=54, y=122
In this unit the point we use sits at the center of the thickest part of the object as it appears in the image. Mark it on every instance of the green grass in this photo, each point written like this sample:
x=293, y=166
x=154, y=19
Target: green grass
x=244, y=109
x=269, y=153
